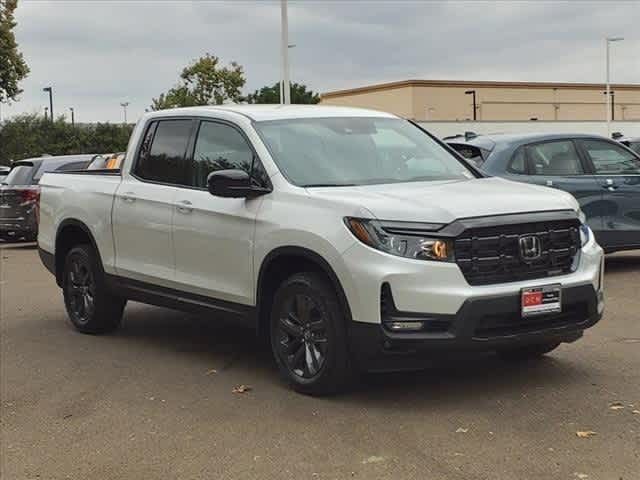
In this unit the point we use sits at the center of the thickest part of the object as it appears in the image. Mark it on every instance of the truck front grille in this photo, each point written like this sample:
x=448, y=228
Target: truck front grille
x=490, y=255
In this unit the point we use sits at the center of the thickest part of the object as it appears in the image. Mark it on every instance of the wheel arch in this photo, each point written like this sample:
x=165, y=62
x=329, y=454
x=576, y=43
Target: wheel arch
x=278, y=265
x=72, y=232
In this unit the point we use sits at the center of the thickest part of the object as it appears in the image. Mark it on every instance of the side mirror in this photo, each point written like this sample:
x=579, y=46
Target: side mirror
x=229, y=183
x=234, y=183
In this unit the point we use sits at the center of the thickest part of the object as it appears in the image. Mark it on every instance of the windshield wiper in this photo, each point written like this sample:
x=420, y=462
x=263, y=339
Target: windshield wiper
x=311, y=185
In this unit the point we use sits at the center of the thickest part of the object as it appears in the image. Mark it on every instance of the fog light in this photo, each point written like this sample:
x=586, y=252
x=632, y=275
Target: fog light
x=405, y=326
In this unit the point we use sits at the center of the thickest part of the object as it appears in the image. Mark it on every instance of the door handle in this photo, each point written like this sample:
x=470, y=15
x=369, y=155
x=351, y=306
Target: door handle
x=610, y=185
x=184, y=206
x=128, y=197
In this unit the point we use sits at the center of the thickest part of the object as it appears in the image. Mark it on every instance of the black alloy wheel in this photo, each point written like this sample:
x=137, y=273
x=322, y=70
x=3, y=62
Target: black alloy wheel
x=80, y=287
x=302, y=336
x=91, y=306
x=308, y=335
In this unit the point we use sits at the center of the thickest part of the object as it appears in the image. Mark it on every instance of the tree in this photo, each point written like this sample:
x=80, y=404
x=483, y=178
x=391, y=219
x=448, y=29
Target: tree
x=204, y=82
x=32, y=135
x=299, y=94
x=13, y=68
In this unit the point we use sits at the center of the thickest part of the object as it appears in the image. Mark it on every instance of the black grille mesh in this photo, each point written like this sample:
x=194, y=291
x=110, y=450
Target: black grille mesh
x=490, y=255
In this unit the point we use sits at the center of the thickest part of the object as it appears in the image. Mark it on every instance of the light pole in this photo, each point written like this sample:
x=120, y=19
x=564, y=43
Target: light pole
x=73, y=118
x=608, y=42
x=473, y=92
x=124, y=106
x=612, y=107
x=284, y=21
x=50, y=90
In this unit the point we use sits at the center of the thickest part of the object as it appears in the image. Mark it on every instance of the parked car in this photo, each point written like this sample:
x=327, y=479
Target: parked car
x=4, y=171
x=603, y=175
x=352, y=238
x=19, y=194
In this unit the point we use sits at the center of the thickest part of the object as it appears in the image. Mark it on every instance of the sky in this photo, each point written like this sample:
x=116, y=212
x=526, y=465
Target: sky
x=99, y=53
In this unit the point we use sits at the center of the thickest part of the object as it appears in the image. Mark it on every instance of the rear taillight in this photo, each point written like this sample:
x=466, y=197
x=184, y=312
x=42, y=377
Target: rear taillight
x=29, y=196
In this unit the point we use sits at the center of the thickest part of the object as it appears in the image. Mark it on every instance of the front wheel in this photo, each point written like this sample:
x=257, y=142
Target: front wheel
x=308, y=335
x=527, y=352
x=90, y=305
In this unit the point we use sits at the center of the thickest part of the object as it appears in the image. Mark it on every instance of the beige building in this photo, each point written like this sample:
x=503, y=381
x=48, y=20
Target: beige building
x=442, y=100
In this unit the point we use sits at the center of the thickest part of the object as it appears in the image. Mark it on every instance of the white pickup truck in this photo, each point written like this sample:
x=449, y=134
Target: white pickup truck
x=353, y=239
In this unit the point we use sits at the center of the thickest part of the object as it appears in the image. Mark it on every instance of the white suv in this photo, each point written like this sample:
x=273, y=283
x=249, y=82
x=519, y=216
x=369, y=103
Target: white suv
x=353, y=238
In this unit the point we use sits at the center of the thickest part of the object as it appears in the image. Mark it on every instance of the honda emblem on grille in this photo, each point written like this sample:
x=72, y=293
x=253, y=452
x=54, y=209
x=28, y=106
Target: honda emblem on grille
x=530, y=248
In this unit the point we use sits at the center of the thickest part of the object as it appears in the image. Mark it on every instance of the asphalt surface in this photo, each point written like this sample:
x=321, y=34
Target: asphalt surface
x=155, y=401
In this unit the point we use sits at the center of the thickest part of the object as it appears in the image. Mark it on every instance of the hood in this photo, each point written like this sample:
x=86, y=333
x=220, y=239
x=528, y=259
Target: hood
x=444, y=202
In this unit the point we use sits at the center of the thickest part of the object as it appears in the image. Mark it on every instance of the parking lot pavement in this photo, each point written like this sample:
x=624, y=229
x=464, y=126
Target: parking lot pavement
x=155, y=400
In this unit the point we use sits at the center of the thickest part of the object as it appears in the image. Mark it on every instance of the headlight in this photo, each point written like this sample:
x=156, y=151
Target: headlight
x=413, y=244
x=585, y=234
x=582, y=216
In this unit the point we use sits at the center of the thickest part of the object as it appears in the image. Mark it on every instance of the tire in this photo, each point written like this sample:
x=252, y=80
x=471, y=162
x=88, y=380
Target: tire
x=527, y=352
x=308, y=335
x=90, y=306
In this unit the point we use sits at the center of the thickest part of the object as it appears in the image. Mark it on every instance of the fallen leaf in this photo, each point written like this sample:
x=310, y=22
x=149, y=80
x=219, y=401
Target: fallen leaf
x=585, y=433
x=616, y=406
x=67, y=416
x=581, y=476
x=373, y=459
x=462, y=430
x=213, y=371
x=636, y=412
x=241, y=389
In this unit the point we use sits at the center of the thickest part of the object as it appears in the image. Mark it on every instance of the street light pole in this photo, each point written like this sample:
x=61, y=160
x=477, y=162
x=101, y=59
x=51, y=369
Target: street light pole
x=124, y=106
x=50, y=90
x=608, y=41
x=475, y=113
x=73, y=119
x=286, y=97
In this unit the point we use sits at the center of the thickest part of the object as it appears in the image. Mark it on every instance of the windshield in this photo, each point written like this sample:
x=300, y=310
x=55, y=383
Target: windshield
x=19, y=175
x=357, y=151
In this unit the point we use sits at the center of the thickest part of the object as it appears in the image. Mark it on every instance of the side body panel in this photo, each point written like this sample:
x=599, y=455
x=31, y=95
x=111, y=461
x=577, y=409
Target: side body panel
x=85, y=198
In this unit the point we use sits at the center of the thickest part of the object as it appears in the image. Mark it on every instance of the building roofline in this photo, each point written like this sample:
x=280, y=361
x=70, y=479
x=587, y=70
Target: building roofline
x=474, y=83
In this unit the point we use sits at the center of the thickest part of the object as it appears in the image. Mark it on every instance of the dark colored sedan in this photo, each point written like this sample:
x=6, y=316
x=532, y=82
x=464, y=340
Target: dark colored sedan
x=602, y=174
x=19, y=194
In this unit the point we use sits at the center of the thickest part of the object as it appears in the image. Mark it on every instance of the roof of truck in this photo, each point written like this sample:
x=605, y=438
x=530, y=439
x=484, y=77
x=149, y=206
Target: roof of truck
x=279, y=112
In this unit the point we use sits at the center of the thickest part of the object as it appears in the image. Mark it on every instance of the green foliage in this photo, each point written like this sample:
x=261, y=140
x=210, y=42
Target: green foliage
x=12, y=65
x=31, y=135
x=203, y=82
x=299, y=95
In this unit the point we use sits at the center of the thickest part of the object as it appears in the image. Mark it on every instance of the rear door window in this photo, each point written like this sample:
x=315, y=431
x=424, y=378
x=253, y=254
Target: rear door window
x=611, y=159
x=518, y=163
x=20, y=175
x=161, y=157
x=555, y=158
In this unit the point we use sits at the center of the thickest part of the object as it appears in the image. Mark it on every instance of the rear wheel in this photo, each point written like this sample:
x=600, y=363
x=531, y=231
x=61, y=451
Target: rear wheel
x=308, y=335
x=90, y=305
x=527, y=352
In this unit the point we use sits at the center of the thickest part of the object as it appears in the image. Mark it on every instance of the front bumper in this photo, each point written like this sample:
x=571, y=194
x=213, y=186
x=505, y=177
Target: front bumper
x=465, y=317
x=482, y=324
